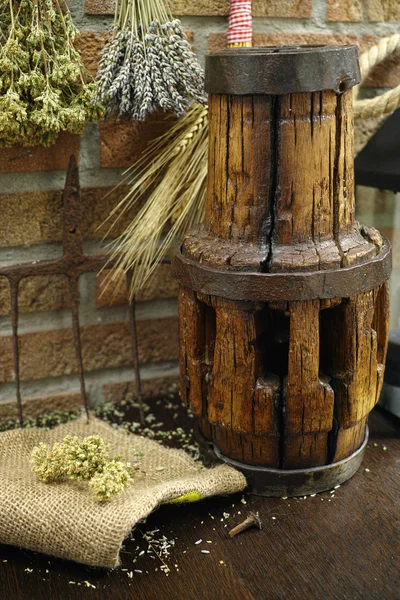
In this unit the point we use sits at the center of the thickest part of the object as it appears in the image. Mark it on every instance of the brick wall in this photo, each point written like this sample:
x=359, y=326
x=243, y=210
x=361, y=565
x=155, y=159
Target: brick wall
x=31, y=181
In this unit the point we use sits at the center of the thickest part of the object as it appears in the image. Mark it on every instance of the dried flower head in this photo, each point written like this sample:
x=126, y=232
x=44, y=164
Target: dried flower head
x=111, y=480
x=85, y=459
x=148, y=63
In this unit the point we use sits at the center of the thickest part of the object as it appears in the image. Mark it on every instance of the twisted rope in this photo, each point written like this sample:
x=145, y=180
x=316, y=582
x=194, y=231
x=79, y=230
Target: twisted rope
x=388, y=102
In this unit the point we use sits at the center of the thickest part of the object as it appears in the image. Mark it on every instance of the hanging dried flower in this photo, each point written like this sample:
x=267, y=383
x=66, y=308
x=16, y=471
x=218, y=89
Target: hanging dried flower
x=148, y=63
x=44, y=87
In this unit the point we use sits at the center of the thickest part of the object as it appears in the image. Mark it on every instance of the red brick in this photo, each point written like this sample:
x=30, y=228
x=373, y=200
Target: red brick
x=18, y=159
x=122, y=142
x=345, y=10
x=36, y=294
x=52, y=354
x=90, y=45
x=34, y=406
x=161, y=285
x=126, y=390
x=99, y=7
x=384, y=10
x=35, y=217
x=261, y=8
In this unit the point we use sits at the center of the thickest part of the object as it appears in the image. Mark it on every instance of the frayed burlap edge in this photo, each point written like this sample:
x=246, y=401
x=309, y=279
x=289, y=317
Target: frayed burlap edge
x=64, y=519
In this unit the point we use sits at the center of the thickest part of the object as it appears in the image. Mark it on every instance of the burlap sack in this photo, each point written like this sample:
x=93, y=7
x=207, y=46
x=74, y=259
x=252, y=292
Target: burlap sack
x=64, y=519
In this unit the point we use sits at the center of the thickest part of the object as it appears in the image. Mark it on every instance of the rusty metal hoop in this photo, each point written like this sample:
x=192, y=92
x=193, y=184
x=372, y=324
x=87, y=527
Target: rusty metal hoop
x=288, y=286
x=282, y=70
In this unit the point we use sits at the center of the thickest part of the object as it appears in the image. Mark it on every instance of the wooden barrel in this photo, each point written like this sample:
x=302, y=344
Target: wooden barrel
x=283, y=303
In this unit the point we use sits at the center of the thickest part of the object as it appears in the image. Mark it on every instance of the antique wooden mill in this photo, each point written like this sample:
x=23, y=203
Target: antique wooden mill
x=283, y=301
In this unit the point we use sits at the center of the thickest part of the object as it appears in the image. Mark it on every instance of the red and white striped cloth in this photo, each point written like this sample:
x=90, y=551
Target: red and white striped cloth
x=240, y=22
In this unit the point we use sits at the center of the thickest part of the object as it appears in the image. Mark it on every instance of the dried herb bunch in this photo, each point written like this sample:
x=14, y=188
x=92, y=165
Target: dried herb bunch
x=148, y=63
x=44, y=87
x=86, y=459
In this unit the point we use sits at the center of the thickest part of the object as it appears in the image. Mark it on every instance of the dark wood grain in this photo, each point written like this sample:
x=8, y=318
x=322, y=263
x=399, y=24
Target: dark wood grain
x=345, y=546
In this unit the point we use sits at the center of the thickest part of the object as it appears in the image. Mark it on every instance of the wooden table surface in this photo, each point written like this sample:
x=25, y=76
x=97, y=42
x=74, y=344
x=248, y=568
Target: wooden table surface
x=341, y=545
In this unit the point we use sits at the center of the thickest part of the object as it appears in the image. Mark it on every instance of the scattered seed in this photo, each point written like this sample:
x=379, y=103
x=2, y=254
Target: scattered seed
x=367, y=470
x=284, y=497
x=205, y=551
x=138, y=571
x=198, y=542
x=384, y=448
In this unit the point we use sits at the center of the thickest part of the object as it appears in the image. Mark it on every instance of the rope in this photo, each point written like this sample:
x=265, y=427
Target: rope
x=240, y=30
x=388, y=102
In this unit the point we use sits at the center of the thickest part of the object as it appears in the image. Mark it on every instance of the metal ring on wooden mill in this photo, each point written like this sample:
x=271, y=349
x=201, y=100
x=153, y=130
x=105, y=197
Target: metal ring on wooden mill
x=283, y=303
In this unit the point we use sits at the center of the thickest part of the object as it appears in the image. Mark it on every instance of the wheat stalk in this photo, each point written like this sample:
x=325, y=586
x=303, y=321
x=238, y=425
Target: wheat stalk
x=179, y=158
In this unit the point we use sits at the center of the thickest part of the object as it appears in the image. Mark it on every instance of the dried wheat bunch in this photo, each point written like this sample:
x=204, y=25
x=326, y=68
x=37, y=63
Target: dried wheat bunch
x=148, y=63
x=179, y=160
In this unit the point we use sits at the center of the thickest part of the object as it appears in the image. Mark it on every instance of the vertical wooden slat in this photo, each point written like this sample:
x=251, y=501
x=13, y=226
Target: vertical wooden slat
x=308, y=400
x=351, y=347
x=235, y=367
x=303, y=237
x=238, y=183
x=192, y=343
x=344, y=171
x=381, y=324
